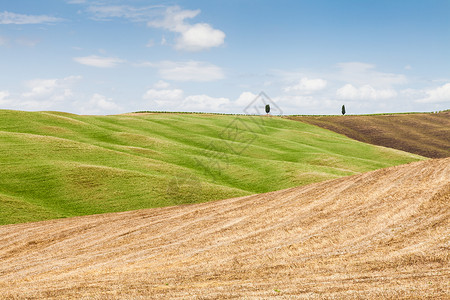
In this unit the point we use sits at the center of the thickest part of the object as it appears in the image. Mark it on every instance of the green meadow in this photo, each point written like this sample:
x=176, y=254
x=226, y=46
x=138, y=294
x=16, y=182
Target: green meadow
x=56, y=165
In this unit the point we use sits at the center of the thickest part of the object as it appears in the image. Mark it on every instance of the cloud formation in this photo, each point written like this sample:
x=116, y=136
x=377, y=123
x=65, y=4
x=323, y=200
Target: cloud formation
x=99, y=61
x=45, y=94
x=192, y=37
x=135, y=14
x=245, y=98
x=7, y=18
x=365, y=74
x=99, y=104
x=42, y=94
x=161, y=84
x=204, y=103
x=188, y=71
x=365, y=92
x=164, y=97
x=307, y=86
x=3, y=97
x=50, y=89
x=369, y=88
x=437, y=95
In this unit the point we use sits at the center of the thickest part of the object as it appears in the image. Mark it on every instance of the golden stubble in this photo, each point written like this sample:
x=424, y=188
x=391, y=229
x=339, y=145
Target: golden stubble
x=382, y=234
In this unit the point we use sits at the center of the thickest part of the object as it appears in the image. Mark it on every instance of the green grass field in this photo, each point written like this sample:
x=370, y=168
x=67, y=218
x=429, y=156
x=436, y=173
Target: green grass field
x=55, y=165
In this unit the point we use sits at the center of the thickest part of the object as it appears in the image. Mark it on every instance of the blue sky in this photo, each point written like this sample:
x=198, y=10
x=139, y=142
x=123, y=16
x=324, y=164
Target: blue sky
x=309, y=57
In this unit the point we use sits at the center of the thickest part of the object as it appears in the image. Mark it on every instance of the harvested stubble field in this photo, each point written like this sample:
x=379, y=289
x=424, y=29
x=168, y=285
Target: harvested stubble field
x=426, y=134
x=382, y=234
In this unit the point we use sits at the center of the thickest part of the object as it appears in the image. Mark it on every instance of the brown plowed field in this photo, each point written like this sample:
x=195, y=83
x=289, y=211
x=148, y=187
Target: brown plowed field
x=426, y=134
x=383, y=234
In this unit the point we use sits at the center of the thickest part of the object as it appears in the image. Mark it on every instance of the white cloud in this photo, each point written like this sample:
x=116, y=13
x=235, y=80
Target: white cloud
x=135, y=14
x=189, y=71
x=164, y=96
x=50, y=89
x=44, y=94
x=161, y=84
x=364, y=74
x=40, y=87
x=58, y=94
x=200, y=37
x=191, y=37
x=174, y=18
x=355, y=67
x=375, y=90
x=3, y=97
x=437, y=95
x=356, y=73
x=174, y=99
x=204, y=103
x=196, y=37
x=298, y=102
x=245, y=99
x=98, y=61
x=307, y=86
x=4, y=94
x=20, y=19
x=412, y=93
x=365, y=92
x=100, y=102
x=98, y=105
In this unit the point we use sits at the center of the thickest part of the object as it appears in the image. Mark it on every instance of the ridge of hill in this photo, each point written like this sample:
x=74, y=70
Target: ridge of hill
x=426, y=134
x=55, y=165
x=381, y=234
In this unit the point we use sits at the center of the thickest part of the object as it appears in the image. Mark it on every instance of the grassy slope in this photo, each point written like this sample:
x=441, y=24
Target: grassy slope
x=378, y=235
x=426, y=134
x=58, y=165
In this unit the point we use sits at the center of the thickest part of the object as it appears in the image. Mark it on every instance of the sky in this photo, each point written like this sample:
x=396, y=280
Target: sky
x=307, y=56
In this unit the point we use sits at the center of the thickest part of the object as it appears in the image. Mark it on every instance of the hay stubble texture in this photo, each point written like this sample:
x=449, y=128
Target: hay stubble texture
x=379, y=234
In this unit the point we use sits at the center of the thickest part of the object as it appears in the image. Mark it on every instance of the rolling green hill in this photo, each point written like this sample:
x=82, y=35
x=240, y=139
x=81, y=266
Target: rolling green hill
x=55, y=165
